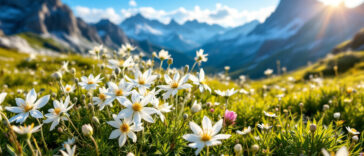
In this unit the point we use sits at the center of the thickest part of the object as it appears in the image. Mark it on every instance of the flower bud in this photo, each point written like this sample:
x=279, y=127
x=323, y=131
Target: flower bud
x=337, y=115
x=313, y=128
x=57, y=76
x=87, y=130
x=355, y=138
x=227, y=68
x=238, y=148
x=212, y=110
x=60, y=129
x=326, y=107
x=95, y=120
x=102, y=66
x=301, y=105
x=187, y=67
x=255, y=148
x=185, y=116
x=170, y=61
x=195, y=108
x=73, y=70
x=154, y=54
x=130, y=154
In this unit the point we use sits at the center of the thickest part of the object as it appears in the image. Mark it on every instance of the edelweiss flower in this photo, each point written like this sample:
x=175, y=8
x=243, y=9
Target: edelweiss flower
x=68, y=89
x=226, y=93
x=343, y=151
x=123, y=130
x=207, y=136
x=58, y=113
x=163, y=55
x=127, y=47
x=70, y=142
x=352, y=131
x=162, y=108
x=103, y=99
x=96, y=50
x=2, y=98
x=90, y=82
x=118, y=92
x=26, y=129
x=135, y=110
x=29, y=106
x=270, y=114
x=128, y=63
x=69, y=151
x=200, y=57
x=245, y=131
x=200, y=81
x=264, y=126
x=174, y=85
x=142, y=80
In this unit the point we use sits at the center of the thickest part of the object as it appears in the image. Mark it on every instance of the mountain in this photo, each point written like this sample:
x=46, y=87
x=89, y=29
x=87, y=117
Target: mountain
x=111, y=35
x=182, y=37
x=49, y=18
x=297, y=32
x=242, y=30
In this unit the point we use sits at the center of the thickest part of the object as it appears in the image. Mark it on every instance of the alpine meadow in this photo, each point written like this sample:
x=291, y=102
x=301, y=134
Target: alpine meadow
x=79, y=78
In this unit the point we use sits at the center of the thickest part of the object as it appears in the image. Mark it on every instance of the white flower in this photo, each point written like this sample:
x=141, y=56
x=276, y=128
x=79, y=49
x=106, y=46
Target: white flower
x=26, y=129
x=270, y=114
x=174, y=85
x=135, y=110
x=2, y=98
x=68, y=89
x=123, y=130
x=226, y=93
x=163, y=55
x=58, y=113
x=243, y=91
x=352, y=131
x=200, y=81
x=207, y=136
x=128, y=63
x=142, y=80
x=65, y=66
x=337, y=115
x=264, y=126
x=162, y=108
x=118, y=92
x=96, y=50
x=343, y=151
x=90, y=82
x=127, y=47
x=103, y=98
x=69, y=151
x=245, y=131
x=29, y=106
x=200, y=57
x=69, y=141
x=268, y=72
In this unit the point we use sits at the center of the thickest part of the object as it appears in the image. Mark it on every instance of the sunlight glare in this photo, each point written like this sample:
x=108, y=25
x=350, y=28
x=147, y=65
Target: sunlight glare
x=348, y=3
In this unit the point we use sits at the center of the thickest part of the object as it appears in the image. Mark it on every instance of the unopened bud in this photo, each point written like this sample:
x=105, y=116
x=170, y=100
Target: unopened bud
x=313, y=128
x=195, y=108
x=96, y=120
x=326, y=107
x=238, y=148
x=355, y=138
x=87, y=130
x=337, y=115
x=187, y=67
x=185, y=116
x=57, y=76
x=170, y=61
x=255, y=148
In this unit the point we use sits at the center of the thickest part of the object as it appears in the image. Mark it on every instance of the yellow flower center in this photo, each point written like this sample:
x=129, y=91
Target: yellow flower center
x=354, y=130
x=57, y=111
x=205, y=137
x=68, y=89
x=124, y=128
x=102, y=96
x=174, y=85
x=28, y=107
x=121, y=62
x=203, y=82
x=137, y=107
x=141, y=81
x=90, y=82
x=119, y=92
x=270, y=113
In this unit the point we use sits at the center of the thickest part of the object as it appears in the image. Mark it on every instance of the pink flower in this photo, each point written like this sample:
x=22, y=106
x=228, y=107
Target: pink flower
x=230, y=117
x=212, y=110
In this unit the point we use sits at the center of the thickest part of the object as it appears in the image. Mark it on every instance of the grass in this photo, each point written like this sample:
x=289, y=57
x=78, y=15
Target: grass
x=290, y=134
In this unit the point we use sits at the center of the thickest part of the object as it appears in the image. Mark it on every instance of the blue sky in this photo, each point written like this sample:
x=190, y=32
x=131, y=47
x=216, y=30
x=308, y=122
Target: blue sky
x=228, y=13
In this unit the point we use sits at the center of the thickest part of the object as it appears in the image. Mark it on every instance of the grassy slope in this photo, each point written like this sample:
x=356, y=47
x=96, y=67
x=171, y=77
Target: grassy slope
x=248, y=107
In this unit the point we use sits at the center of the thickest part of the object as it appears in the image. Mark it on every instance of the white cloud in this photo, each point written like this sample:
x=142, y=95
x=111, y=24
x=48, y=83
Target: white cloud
x=132, y=3
x=221, y=14
x=94, y=15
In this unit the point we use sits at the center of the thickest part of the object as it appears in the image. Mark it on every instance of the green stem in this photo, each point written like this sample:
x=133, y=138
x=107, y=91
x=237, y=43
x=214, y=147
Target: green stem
x=30, y=146
x=41, y=133
x=96, y=147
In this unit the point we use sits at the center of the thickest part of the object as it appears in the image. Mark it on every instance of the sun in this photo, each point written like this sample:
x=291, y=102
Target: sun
x=337, y=3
